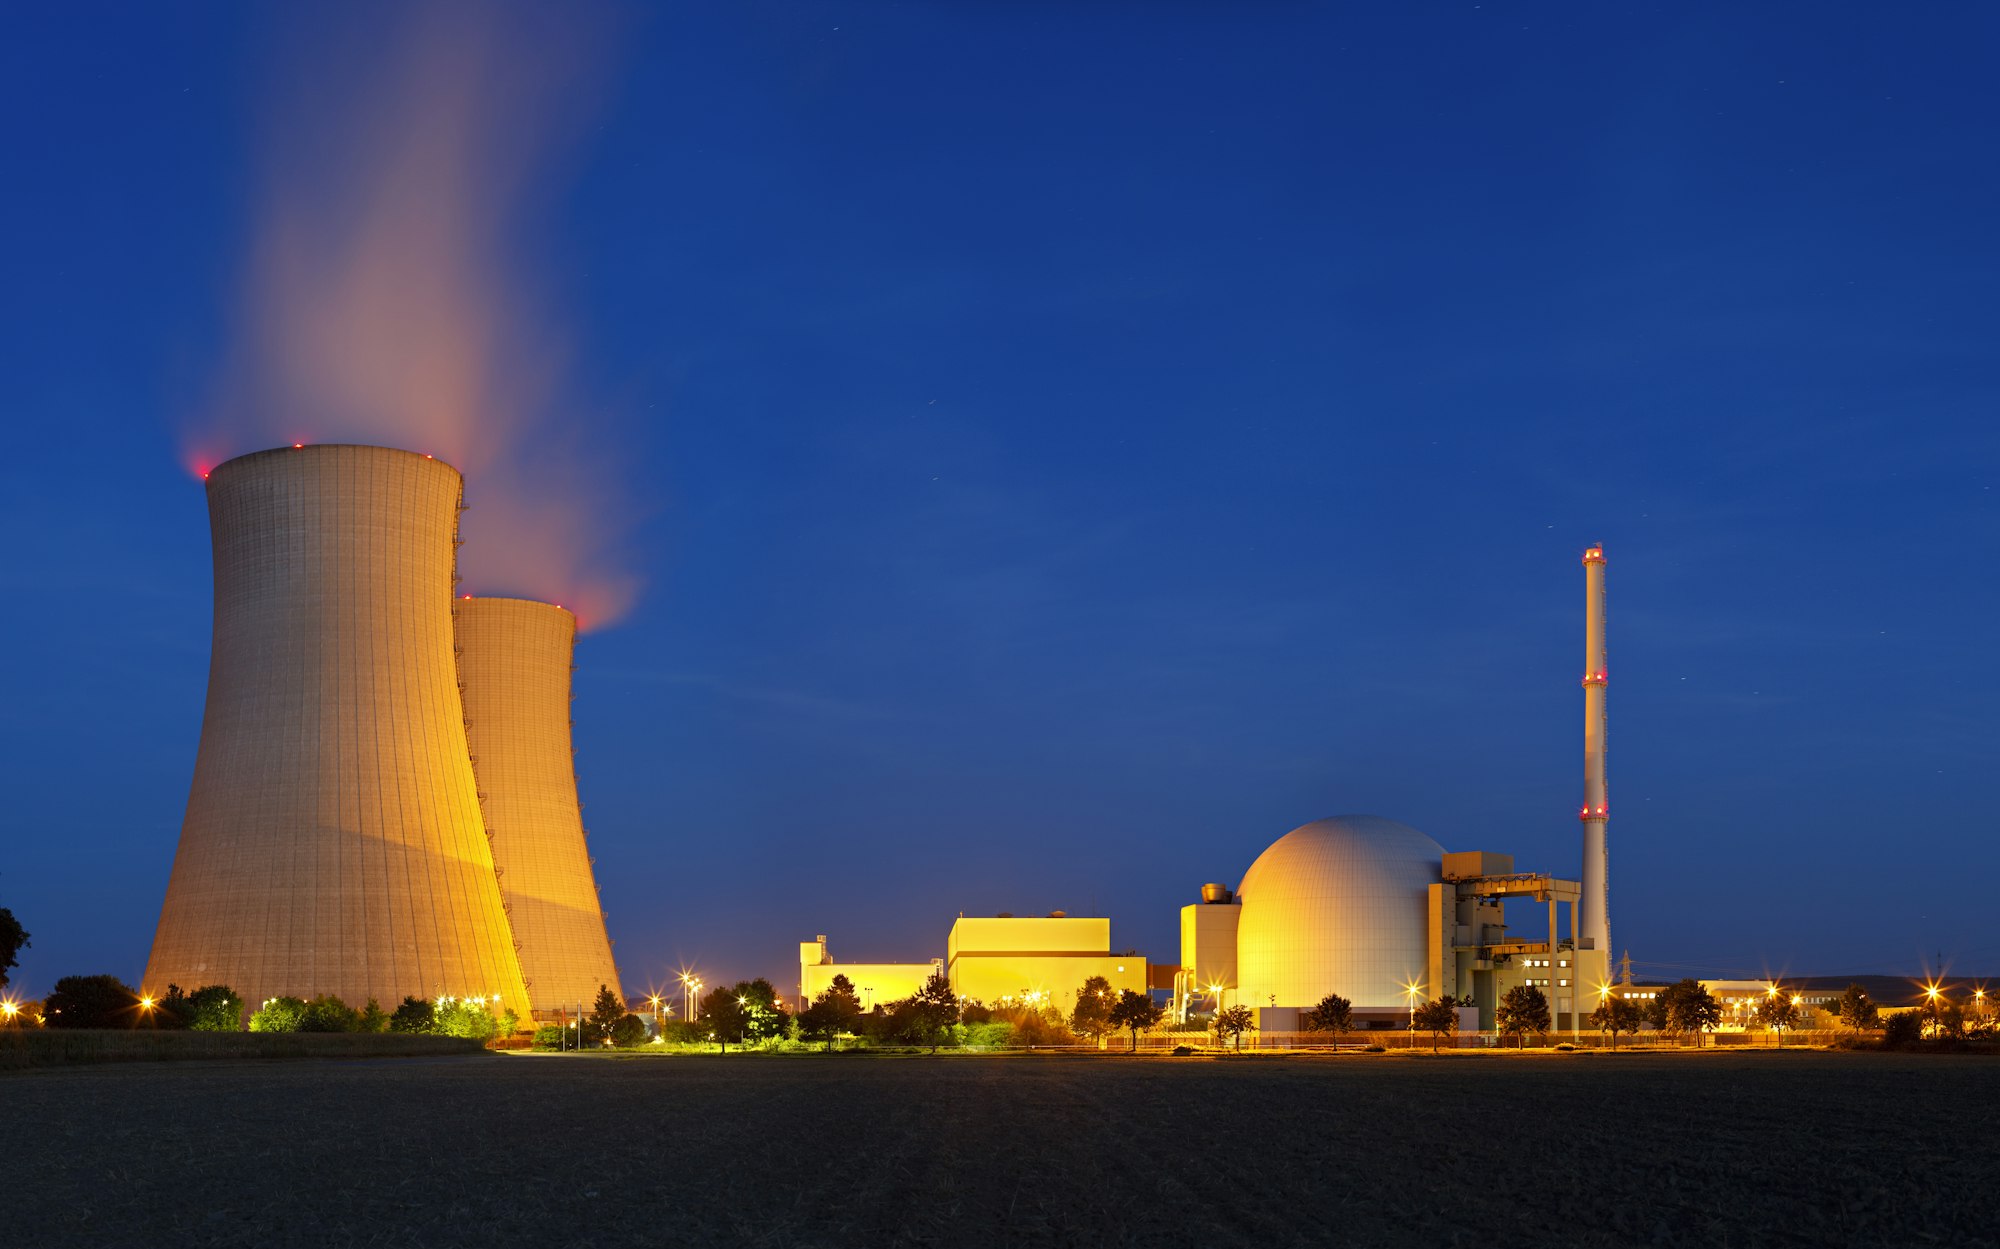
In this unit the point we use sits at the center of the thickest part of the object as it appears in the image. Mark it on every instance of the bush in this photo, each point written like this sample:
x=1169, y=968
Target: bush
x=1902, y=1030
x=415, y=1017
x=629, y=1032
x=279, y=1014
x=549, y=1036
x=989, y=1034
x=469, y=1018
x=1375, y=1049
x=373, y=1018
x=92, y=1002
x=327, y=1013
x=215, y=1008
x=1182, y=1051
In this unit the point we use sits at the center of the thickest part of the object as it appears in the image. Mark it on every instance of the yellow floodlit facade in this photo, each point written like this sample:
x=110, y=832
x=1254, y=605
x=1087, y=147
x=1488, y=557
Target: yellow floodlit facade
x=875, y=984
x=333, y=841
x=1008, y=957
x=514, y=663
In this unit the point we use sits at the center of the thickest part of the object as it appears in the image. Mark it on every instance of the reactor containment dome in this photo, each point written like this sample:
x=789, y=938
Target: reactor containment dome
x=1336, y=906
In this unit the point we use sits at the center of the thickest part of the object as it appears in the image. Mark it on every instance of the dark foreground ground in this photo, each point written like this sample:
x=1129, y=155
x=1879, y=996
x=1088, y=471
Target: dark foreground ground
x=1713, y=1149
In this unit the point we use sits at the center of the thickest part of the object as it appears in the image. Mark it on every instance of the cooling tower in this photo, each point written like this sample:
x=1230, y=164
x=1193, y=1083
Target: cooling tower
x=333, y=840
x=514, y=665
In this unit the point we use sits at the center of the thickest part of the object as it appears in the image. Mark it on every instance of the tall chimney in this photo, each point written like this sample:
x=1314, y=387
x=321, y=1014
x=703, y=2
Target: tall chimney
x=1594, y=918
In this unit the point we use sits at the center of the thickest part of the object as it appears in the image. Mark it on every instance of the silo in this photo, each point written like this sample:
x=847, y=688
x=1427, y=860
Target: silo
x=333, y=840
x=514, y=664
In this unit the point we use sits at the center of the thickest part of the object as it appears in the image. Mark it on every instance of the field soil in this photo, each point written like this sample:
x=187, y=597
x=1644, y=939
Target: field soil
x=1713, y=1149
x=51, y=1047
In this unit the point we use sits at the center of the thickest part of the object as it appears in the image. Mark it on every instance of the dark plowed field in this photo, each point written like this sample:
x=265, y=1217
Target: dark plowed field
x=1747, y=1149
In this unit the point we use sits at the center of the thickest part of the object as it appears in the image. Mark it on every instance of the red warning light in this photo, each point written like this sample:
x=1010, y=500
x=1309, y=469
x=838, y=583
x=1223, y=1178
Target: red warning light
x=298, y=446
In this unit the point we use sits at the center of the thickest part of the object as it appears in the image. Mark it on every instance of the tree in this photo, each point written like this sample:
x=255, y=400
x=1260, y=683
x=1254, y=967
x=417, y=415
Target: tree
x=13, y=939
x=1685, y=1007
x=763, y=1018
x=605, y=1013
x=1232, y=1022
x=278, y=1014
x=327, y=1013
x=415, y=1017
x=722, y=1016
x=92, y=1002
x=1092, y=1016
x=172, y=1011
x=1778, y=1012
x=1523, y=1009
x=1856, y=1009
x=1136, y=1012
x=1334, y=1014
x=836, y=1010
x=629, y=1032
x=1439, y=1018
x=936, y=1009
x=1615, y=1014
x=372, y=1018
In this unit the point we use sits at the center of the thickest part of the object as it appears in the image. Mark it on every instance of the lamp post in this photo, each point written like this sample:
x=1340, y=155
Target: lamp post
x=1410, y=991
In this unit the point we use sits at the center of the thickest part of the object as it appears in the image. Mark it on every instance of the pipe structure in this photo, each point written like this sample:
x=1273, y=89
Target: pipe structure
x=333, y=841
x=1595, y=919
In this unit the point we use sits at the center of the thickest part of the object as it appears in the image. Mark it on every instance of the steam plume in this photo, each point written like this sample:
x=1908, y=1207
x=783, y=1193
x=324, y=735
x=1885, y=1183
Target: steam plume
x=386, y=299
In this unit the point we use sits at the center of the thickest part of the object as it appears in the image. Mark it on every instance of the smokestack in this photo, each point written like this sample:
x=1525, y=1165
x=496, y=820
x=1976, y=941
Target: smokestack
x=1594, y=913
x=333, y=841
x=514, y=663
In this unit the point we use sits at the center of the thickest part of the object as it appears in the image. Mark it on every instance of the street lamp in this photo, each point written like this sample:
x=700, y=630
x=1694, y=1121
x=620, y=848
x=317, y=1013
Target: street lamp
x=1410, y=991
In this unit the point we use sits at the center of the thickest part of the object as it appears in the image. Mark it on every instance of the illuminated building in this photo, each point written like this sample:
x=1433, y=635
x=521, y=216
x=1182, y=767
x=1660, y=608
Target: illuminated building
x=875, y=984
x=1007, y=956
x=514, y=664
x=333, y=841
x=995, y=959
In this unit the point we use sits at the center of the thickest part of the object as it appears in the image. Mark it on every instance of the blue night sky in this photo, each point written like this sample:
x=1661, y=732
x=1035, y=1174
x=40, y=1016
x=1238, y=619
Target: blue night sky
x=1061, y=447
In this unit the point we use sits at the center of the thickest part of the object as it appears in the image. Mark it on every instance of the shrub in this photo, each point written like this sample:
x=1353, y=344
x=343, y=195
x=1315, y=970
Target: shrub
x=549, y=1036
x=216, y=1008
x=1902, y=1030
x=1040, y=1030
x=279, y=1014
x=92, y=1002
x=372, y=1018
x=1376, y=1049
x=415, y=1017
x=327, y=1013
x=629, y=1032
x=988, y=1034
x=469, y=1018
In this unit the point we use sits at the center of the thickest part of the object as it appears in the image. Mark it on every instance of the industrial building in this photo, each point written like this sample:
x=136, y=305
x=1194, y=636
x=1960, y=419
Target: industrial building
x=874, y=983
x=994, y=959
x=515, y=657
x=1382, y=915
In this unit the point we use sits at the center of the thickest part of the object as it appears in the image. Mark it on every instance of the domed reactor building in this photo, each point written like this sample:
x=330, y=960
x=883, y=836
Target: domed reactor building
x=1384, y=916
x=333, y=841
x=514, y=663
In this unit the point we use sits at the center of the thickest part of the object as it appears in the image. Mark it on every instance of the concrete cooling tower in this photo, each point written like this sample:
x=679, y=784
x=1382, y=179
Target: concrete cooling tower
x=333, y=840
x=514, y=664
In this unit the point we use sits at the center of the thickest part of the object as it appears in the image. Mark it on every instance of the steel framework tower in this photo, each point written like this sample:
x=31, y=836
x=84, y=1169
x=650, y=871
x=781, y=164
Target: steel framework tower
x=514, y=663
x=333, y=841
